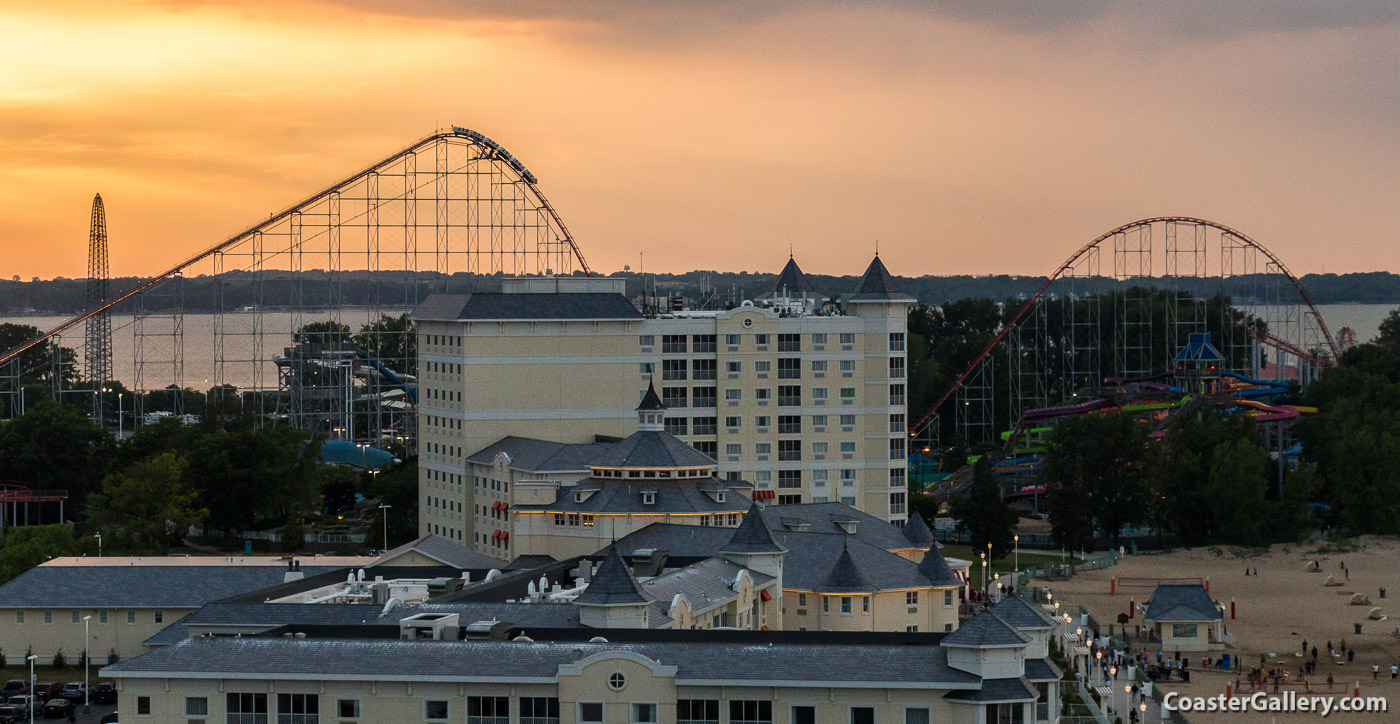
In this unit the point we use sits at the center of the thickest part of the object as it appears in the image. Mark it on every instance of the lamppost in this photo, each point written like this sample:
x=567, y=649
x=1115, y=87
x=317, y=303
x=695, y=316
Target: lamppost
x=32, y=680
x=1016, y=541
x=87, y=664
x=98, y=536
x=984, y=573
x=386, y=508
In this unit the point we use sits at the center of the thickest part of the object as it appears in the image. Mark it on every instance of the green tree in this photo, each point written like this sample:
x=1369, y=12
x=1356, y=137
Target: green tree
x=324, y=332
x=1093, y=471
x=392, y=341
x=147, y=509
x=396, y=486
x=1237, y=488
x=982, y=513
x=254, y=478
x=293, y=535
x=1389, y=332
x=31, y=545
x=55, y=447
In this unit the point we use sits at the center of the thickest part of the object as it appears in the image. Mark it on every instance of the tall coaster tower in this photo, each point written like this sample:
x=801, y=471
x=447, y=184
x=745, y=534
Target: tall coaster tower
x=98, y=341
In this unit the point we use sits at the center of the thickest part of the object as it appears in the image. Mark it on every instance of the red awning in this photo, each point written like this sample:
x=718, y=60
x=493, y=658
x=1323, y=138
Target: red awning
x=498, y=505
x=505, y=535
x=495, y=535
x=764, y=495
x=765, y=596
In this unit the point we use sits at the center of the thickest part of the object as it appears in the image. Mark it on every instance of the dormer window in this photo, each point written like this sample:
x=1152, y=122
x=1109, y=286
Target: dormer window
x=719, y=497
x=648, y=498
x=578, y=497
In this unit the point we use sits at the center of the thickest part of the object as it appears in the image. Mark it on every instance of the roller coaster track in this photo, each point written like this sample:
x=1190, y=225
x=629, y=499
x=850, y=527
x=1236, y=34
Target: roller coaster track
x=497, y=153
x=1006, y=329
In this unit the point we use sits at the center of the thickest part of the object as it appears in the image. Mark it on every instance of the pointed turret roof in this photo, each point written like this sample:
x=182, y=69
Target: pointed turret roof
x=613, y=584
x=985, y=630
x=916, y=530
x=792, y=281
x=651, y=401
x=1020, y=614
x=935, y=568
x=753, y=535
x=878, y=285
x=845, y=577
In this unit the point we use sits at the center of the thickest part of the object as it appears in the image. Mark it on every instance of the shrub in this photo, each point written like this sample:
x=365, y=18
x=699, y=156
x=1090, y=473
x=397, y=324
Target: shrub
x=112, y=657
x=58, y=660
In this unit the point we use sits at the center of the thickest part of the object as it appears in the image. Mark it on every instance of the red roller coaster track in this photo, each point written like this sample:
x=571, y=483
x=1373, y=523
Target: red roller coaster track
x=455, y=133
x=918, y=427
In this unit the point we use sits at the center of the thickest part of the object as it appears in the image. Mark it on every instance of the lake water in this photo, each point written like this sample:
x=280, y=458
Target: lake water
x=1364, y=320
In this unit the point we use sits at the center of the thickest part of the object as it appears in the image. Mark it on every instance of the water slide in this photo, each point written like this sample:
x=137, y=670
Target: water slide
x=1270, y=413
x=1067, y=410
x=408, y=389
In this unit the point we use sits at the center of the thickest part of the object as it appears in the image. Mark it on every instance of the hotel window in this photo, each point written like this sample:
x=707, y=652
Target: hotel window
x=673, y=369
x=696, y=711
x=763, y=394
x=897, y=448
x=789, y=450
x=196, y=707
x=819, y=367
x=848, y=338
x=347, y=708
x=911, y=598
x=761, y=340
x=789, y=424
x=704, y=343
x=819, y=477
x=1005, y=714
x=865, y=604
x=819, y=421
x=590, y=713
x=789, y=479
x=646, y=368
x=539, y=710
x=488, y=710
x=848, y=366
x=74, y=617
x=763, y=448
x=102, y=617
x=763, y=477
x=641, y=714
x=734, y=367
x=245, y=708
x=762, y=367
x=845, y=604
x=160, y=616
x=749, y=711
x=897, y=422
x=48, y=617
x=896, y=368
x=848, y=421
x=789, y=395
x=916, y=715
x=795, y=499
x=731, y=340
x=143, y=706
x=862, y=715
x=848, y=477
x=896, y=477
x=801, y=600
x=436, y=710
x=573, y=520
x=896, y=503
x=804, y=715
x=896, y=341
x=19, y=618
x=673, y=343
x=734, y=422
x=789, y=343
x=789, y=368
x=676, y=425
x=947, y=598
x=819, y=395
x=709, y=448
x=674, y=397
x=819, y=449
x=588, y=520
x=703, y=369
x=848, y=447
x=762, y=421
x=896, y=394
x=819, y=338
x=848, y=395
x=733, y=449
x=705, y=396
x=704, y=425
x=131, y=617
x=298, y=709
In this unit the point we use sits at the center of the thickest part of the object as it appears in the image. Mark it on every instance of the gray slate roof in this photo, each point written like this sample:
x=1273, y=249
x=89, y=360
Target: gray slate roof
x=878, y=285
x=490, y=306
x=1185, y=603
x=613, y=584
x=917, y=533
x=985, y=630
x=652, y=449
x=163, y=586
x=650, y=401
x=824, y=517
x=447, y=552
x=752, y=535
x=272, y=615
x=997, y=690
x=529, y=562
x=1020, y=614
x=792, y=281
x=450, y=661
x=1042, y=670
x=532, y=455
x=845, y=577
x=672, y=496
x=705, y=584
x=935, y=568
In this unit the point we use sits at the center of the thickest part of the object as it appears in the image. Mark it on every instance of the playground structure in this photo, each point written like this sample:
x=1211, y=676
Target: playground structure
x=369, y=246
x=1091, y=324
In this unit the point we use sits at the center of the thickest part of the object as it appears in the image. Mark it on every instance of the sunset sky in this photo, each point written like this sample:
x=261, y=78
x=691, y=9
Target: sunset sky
x=966, y=137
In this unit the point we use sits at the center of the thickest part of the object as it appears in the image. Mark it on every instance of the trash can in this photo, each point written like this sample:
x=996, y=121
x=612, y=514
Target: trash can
x=1358, y=628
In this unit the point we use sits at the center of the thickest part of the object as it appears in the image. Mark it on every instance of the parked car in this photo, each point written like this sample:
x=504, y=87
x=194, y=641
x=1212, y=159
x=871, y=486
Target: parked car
x=14, y=687
x=23, y=703
x=104, y=693
x=75, y=691
x=45, y=690
x=109, y=719
x=13, y=715
x=58, y=709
